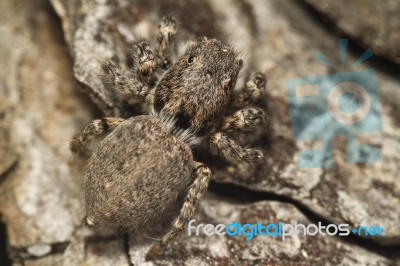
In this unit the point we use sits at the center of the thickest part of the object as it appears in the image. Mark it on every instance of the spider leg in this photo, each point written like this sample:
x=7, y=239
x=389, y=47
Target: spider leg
x=251, y=92
x=165, y=36
x=79, y=144
x=229, y=149
x=131, y=88
x=202, y=176
x=242, y=121
x=224, y=142
x=144, y=61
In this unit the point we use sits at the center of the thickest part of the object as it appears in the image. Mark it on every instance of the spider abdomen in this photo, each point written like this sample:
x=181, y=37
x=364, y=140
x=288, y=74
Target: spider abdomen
x=136, y=173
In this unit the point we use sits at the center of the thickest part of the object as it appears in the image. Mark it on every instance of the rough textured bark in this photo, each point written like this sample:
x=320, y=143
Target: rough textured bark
x=374, y=24
x=41, y=108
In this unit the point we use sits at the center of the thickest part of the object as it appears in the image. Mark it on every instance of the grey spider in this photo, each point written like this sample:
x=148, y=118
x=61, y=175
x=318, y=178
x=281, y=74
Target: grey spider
x=145, y=162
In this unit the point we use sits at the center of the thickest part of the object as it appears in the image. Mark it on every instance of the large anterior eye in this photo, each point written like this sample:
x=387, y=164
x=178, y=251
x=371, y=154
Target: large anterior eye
x=191, y=59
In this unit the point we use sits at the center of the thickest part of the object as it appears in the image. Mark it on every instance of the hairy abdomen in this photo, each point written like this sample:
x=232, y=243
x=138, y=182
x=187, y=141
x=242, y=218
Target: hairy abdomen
x=136, y=173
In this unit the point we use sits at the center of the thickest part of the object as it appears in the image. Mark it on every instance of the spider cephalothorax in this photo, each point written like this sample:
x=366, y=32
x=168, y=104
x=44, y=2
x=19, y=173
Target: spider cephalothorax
x=144, y=163
x=196, y=90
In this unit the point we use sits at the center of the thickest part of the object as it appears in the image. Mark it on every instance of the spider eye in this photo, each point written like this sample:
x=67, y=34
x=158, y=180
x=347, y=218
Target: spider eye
x=191, y=59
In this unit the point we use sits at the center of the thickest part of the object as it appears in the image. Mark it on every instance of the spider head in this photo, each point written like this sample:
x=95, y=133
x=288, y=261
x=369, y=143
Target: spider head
x=196, y=90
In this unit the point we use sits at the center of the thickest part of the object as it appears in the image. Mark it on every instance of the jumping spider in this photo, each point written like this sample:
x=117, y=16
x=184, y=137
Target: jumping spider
x=146, y=161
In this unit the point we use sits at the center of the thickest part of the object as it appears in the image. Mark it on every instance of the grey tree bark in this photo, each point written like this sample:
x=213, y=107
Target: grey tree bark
x=51, y=88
